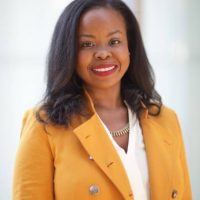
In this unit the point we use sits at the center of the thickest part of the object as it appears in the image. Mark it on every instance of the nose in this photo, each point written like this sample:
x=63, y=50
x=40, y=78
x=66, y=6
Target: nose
x=103, y=54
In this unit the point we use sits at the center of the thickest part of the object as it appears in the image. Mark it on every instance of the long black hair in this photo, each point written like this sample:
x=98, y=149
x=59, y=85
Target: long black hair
x=64, y=95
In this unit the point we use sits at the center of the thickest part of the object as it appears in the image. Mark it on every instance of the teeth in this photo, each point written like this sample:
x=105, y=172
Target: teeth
x=104, y=69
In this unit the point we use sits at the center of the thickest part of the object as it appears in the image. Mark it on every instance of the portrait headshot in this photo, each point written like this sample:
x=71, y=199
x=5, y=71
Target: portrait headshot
x=101, y=102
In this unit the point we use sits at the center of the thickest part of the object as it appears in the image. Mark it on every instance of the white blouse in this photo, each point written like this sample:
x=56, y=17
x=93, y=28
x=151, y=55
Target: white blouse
x=135, y=160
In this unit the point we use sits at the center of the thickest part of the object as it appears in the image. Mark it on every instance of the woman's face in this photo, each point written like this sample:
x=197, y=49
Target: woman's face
x=103, y=56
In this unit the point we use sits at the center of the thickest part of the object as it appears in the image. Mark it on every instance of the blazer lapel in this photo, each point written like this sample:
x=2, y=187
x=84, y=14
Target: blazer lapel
x=158, y=142
x=98, y=145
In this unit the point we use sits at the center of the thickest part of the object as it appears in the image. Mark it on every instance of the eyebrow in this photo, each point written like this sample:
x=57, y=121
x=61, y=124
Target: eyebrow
x=114, y=32
x=92, y=36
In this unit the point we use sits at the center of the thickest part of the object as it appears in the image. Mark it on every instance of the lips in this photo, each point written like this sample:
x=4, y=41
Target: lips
x=104, y=69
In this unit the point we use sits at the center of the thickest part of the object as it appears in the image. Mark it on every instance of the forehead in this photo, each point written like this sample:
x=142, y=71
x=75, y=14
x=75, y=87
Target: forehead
x=102, y=19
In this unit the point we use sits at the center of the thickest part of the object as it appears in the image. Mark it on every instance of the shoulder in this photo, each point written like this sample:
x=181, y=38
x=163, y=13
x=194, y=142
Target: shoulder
x=169, y=115
x=30, y=123
x=171, y=119
x=166, y=114
x=35, y=142
x=35, y=129
x=167, y=120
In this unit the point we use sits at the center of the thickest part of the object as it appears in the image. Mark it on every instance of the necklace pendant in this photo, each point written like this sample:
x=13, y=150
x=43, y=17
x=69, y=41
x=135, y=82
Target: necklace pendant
x=120, y=132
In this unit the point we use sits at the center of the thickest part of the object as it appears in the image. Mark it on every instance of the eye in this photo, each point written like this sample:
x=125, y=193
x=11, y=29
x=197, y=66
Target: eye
x=87, y=44
x=114, y=42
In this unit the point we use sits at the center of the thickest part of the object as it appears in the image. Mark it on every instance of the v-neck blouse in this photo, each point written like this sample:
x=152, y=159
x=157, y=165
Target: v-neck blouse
x=135, y=160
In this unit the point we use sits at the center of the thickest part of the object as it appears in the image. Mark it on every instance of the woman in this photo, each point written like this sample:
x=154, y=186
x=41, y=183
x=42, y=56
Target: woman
x=101, y=132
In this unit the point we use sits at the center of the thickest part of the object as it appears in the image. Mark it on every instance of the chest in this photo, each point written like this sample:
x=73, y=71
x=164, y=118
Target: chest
x=86, y=157
x=122, y=141
x=79, y=175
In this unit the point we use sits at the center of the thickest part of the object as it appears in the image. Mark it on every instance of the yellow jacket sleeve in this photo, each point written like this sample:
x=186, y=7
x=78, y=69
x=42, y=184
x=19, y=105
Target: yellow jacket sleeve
x=187, y=195
x=34, y=170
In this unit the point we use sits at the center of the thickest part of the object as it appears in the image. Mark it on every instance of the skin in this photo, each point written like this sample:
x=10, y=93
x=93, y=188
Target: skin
x=103, y=59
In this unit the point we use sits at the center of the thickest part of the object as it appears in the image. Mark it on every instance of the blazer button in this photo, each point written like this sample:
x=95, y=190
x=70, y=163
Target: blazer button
x=174, y=194
x=91, y=158
x=94, y=189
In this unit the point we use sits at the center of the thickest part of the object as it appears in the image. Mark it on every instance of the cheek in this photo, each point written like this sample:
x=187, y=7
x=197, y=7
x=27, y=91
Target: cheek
x=80, y=59
x=124, y=56
x=83, y=60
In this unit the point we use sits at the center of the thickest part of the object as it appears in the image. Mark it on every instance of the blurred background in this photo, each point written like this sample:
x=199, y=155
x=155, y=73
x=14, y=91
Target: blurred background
x=170, y=31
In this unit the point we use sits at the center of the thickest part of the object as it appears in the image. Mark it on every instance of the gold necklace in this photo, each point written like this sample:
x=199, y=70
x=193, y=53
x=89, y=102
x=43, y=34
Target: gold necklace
x=120, y=132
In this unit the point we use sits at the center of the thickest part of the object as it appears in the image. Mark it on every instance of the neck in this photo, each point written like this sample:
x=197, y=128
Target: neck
x=106, y=98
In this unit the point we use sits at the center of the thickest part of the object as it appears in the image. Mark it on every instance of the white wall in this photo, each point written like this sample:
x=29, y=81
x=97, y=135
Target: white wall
x=170, y=34
x=26, y=27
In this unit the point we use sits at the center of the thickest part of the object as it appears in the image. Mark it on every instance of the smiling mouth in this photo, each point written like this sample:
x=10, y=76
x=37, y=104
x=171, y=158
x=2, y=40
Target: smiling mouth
x=104, y=70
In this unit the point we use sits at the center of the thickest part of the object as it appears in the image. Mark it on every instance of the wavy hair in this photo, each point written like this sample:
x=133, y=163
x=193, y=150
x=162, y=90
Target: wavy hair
x=64, y=95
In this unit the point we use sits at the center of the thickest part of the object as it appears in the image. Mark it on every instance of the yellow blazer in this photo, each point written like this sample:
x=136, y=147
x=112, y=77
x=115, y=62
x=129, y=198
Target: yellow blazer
x=80, y=162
